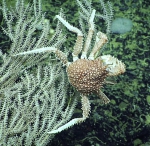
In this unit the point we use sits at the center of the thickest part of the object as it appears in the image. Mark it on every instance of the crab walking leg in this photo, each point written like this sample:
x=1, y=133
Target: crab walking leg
x=86, y=110
x=79, y=41
x=104, y=98
x=101, y=39
x=61, y=56
x=40, y=50
x=77, y=48
x=89, y=36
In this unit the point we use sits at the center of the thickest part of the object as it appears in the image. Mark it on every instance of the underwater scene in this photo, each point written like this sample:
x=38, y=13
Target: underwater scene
x=40, y=106
x=126, y=120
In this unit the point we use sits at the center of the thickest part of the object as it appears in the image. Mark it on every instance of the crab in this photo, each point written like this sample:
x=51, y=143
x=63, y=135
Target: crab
x=86, y=73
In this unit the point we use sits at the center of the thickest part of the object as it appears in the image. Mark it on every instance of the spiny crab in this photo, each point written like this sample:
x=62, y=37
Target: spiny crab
x=87, y=73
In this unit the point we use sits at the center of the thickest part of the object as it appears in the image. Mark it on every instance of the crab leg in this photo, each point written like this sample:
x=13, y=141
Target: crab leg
x=86, y=110
x=62, y=56
x=101, y=39
x=79, y=41
x=40, y=50
x=104, y=98
x=89, y=36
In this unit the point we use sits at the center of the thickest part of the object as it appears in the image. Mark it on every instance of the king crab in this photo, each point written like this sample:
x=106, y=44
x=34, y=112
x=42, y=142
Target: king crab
x=87, y=73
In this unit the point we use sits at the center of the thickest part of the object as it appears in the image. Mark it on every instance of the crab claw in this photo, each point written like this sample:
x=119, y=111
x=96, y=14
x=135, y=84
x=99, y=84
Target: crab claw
x=114, y=66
